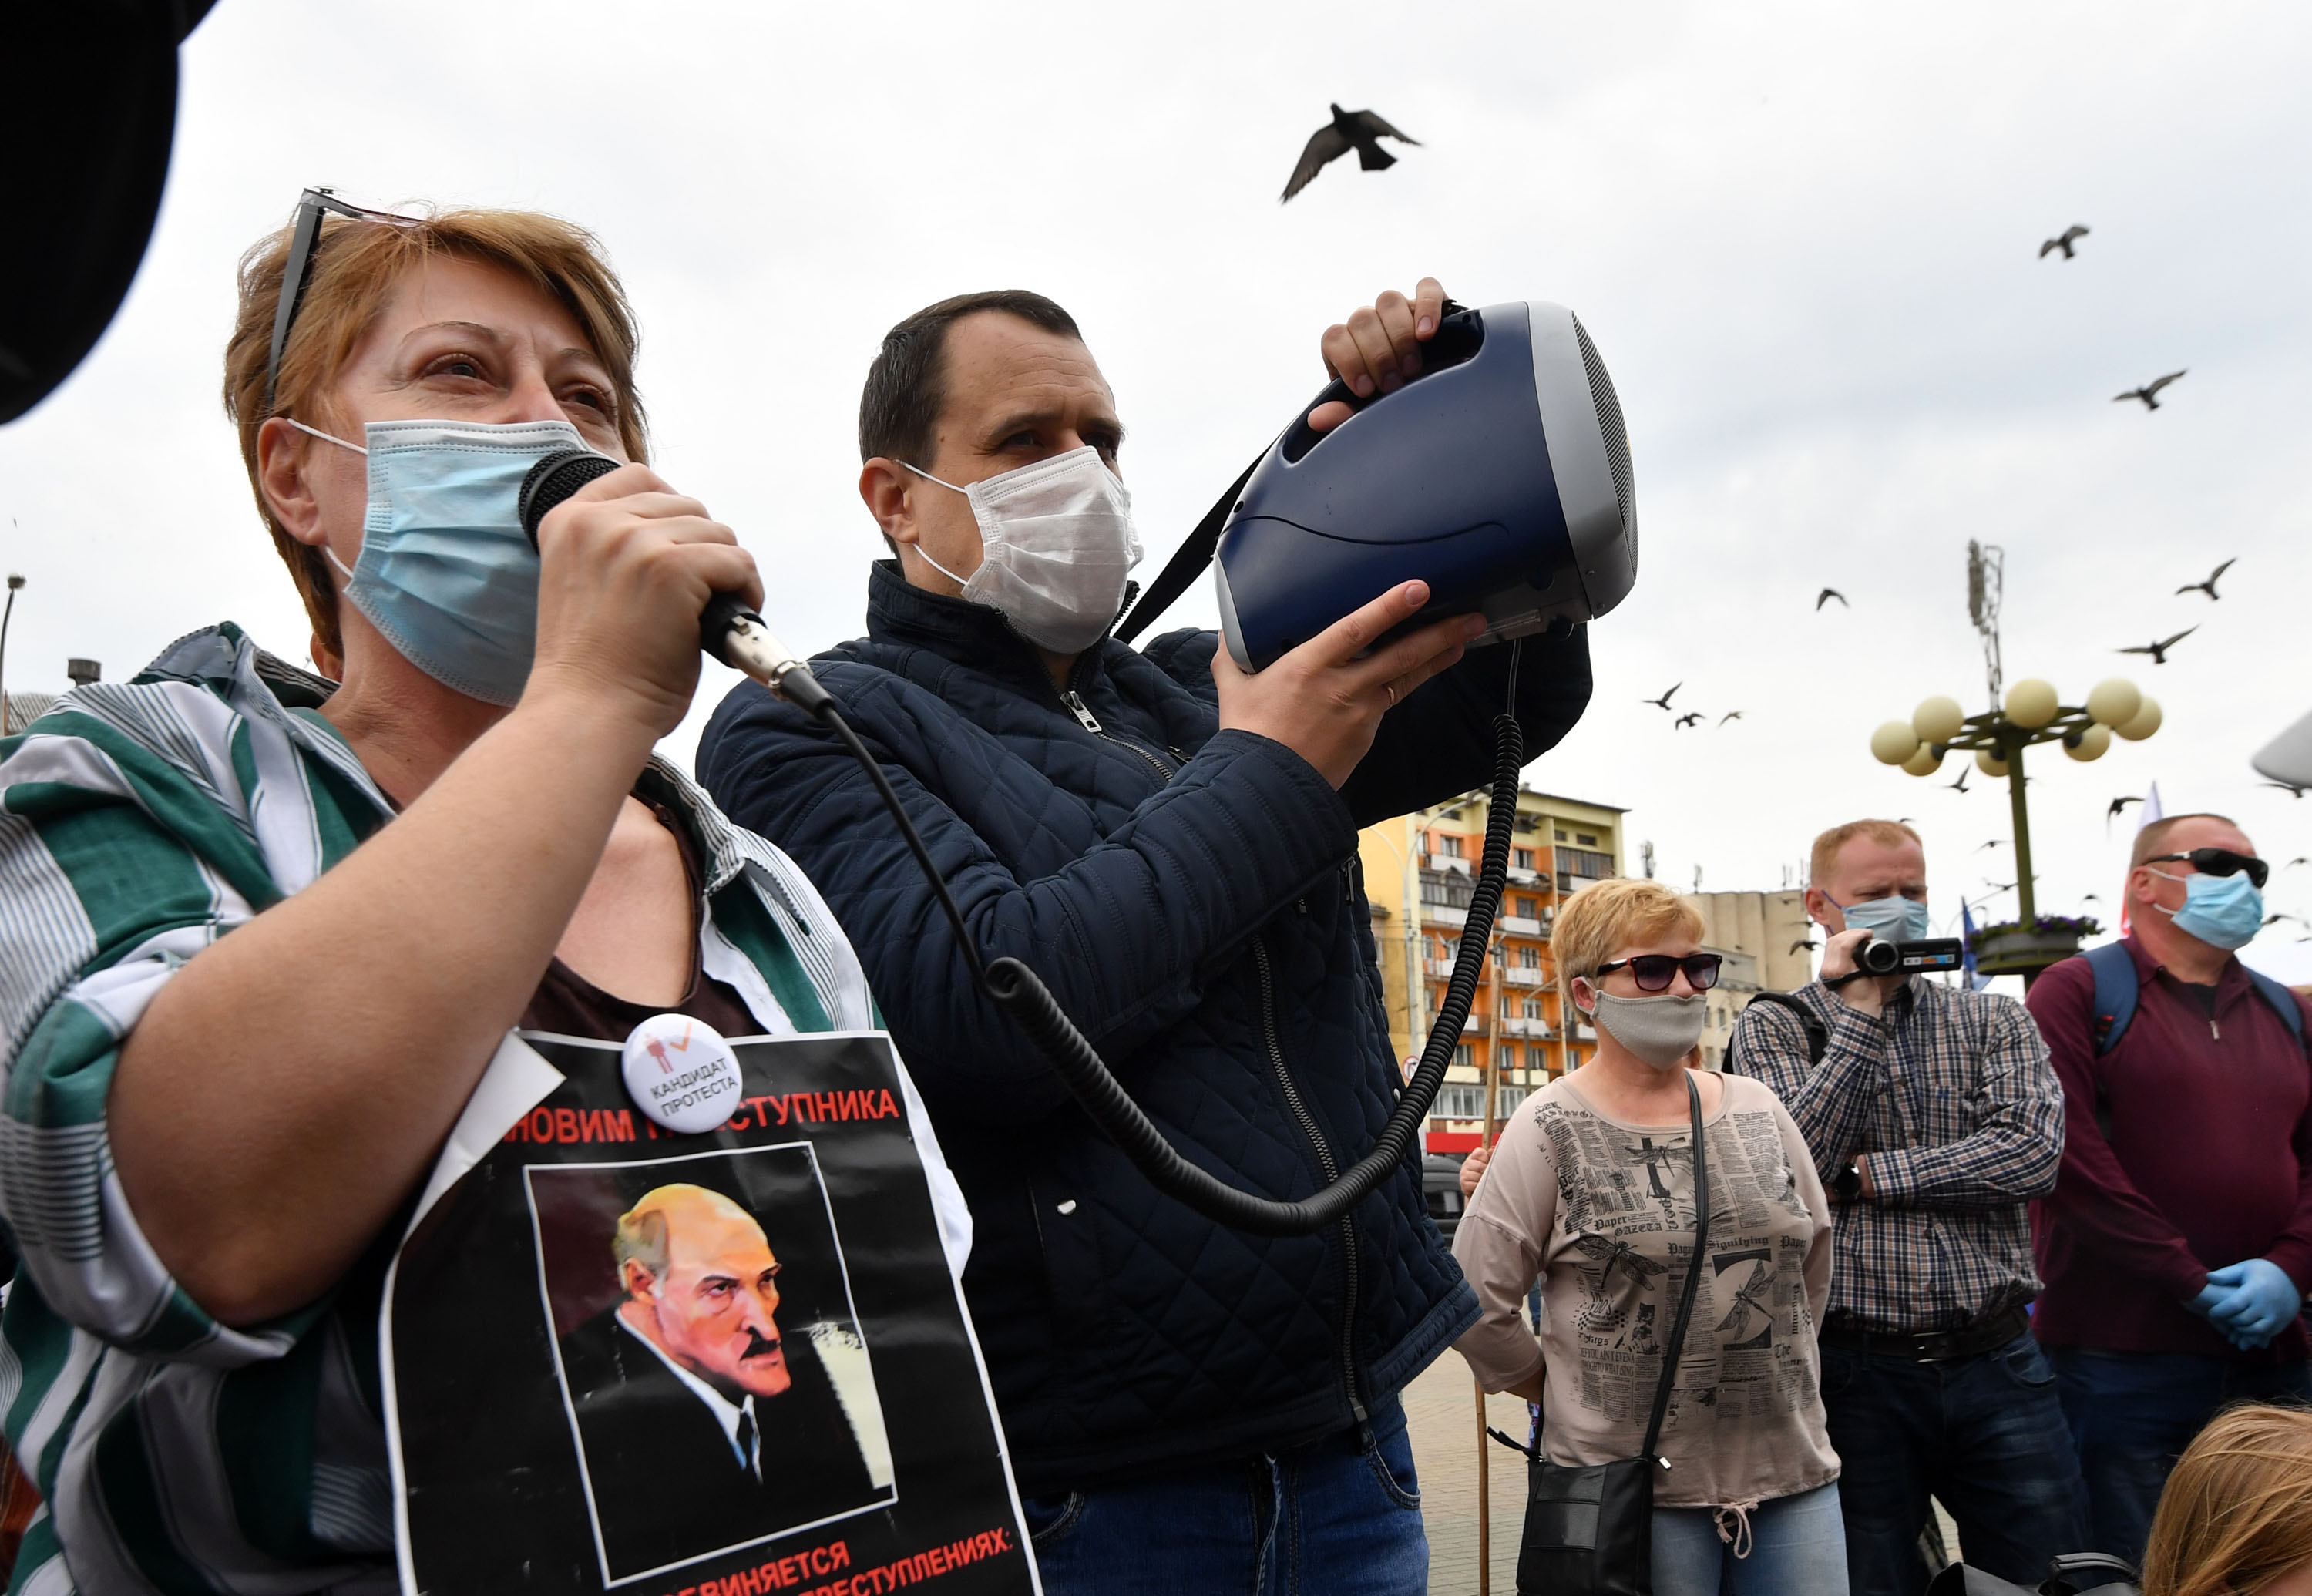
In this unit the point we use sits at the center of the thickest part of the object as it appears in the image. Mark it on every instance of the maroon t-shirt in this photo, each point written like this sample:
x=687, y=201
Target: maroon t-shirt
x=568, y=1004
x=2208, y=1159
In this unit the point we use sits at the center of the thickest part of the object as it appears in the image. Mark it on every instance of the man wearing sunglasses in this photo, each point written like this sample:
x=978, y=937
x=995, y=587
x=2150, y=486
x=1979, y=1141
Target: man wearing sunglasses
x=2177, y=1243
x=1934, y=1119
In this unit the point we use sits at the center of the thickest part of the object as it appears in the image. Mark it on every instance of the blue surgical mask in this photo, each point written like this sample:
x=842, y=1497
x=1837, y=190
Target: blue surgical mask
x=1889, y=920
x=446, y=573
x=2224, y=911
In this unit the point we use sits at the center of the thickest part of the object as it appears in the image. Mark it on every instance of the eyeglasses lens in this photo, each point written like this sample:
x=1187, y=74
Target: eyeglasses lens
x=2224, y=862
x=1654, y=972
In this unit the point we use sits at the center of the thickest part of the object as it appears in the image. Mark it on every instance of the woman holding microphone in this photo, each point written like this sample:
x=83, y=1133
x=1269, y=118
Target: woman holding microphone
x=1590, y=1190
x=261, y=932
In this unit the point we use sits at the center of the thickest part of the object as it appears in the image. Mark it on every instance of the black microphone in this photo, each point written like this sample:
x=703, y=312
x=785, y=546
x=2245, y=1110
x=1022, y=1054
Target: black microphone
x=727, y=630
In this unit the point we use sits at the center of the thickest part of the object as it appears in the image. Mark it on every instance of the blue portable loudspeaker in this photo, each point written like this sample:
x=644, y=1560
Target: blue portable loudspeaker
x=1499, y=476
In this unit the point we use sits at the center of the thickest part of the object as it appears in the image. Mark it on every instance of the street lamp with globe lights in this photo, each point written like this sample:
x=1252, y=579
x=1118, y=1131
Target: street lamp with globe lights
x=2032, y=713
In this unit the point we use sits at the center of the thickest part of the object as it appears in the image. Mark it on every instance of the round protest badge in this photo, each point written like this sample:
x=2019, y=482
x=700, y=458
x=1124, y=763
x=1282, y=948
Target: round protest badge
x=681, y=1073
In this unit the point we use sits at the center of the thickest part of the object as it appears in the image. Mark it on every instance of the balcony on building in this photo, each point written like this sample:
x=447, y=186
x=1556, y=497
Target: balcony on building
x=1581, y=867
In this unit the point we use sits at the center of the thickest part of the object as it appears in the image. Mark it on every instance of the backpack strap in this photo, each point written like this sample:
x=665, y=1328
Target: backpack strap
x=2281, y=999
x=2115, y=992
x=1817, y=1034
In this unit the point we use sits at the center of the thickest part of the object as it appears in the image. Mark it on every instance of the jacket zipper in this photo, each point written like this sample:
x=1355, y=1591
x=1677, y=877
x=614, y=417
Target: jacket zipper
x=1075, y=706
x=1332, y=1172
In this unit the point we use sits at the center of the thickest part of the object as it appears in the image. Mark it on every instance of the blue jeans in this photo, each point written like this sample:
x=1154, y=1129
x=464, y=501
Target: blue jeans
x=1796, y=1546
x=1335, y=1517
x=2133, y=1413
x=1985, y=1435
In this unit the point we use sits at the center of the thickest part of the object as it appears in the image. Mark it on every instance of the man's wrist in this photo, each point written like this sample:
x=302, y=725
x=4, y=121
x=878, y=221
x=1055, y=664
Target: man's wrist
x=1852, y=1184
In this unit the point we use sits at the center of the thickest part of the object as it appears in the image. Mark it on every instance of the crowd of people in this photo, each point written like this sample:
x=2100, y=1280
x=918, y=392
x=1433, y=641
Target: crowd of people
x=2019, y=1253
x=267, y=930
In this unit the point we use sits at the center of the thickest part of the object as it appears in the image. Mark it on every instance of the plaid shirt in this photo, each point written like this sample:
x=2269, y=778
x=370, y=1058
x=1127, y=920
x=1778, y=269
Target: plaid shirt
x=140, y=822
x=1950, y=1094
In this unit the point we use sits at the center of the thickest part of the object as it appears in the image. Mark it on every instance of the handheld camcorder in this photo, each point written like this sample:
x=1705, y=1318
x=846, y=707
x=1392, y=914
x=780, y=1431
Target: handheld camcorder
x=1499, y=476
x=1876, y=957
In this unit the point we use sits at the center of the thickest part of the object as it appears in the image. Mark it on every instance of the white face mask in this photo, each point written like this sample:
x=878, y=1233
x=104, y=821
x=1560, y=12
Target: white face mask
x=1056, y=542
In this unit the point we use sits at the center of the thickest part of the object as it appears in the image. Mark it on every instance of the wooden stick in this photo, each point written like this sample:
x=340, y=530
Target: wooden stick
x=1491, y=1077
x=1484, y=1517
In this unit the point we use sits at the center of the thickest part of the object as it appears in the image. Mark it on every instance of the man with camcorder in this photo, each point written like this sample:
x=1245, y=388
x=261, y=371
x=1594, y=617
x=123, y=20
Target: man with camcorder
x=2178, y=1239
x=1170, y=842
x=1934, y=1118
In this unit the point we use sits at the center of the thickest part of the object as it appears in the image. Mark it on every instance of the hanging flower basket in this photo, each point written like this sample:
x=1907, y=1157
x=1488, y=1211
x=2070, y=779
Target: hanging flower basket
x=2025, y=949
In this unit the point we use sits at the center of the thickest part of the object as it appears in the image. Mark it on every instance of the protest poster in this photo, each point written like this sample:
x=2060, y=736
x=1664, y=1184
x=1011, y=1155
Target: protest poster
x=624, y=1359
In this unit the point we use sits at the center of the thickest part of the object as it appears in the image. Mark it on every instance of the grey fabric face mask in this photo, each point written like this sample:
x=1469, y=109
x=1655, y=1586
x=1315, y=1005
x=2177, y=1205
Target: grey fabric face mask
x=1659, y=1030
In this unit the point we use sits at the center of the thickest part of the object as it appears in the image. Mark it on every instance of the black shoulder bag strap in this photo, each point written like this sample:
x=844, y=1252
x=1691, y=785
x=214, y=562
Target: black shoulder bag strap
x=1817, y=1034
x=1693, y=1276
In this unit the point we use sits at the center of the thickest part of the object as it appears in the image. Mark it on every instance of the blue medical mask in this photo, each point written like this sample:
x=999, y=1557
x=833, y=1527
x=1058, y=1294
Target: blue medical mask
x=446, y=573
x=2224, y=911
x=1889, y=920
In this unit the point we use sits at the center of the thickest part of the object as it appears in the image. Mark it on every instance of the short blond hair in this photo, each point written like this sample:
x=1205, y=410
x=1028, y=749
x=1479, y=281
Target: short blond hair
x=1824, y=862
x=2238, y=1509
x=1615, y=914
x=2152, y=840
x=355, y=265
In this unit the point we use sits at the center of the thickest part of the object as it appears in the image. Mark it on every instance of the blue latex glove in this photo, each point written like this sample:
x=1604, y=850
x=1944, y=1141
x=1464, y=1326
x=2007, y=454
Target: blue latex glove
x=2258, y=1300
x=2206, y=1302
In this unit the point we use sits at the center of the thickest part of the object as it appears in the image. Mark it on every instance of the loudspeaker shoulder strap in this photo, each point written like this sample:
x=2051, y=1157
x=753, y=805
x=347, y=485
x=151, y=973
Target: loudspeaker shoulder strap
x=1693, y=1273
x=1189, y=561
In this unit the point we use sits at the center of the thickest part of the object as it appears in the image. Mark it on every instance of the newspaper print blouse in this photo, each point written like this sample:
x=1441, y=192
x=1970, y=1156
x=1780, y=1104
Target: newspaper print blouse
x=1601, y=1213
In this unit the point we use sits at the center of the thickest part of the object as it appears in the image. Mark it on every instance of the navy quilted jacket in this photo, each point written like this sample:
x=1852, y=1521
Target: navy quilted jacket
x=1193, y=898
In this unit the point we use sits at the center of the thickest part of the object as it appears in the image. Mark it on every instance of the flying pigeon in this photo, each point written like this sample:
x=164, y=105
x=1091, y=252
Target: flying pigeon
x=1662, y=702
x=1687, y=719
x=1827, y=595
x=2289, y=787
x=1994, y=843
x=1960, y=785
x=2158, y=651
x=2292, y=864
x=1358, y=130
x=1808, y=944
x=2209, y=586
x=2149, y=394
x=2118, y=807
x=2275, y=919
x=2063, y=241
x=1731, y=714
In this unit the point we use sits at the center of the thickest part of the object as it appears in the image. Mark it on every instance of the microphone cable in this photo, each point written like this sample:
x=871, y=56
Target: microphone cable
x=737, y=636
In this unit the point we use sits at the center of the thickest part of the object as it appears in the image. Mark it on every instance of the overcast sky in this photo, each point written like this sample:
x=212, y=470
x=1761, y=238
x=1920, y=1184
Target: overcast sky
x=1802, y=236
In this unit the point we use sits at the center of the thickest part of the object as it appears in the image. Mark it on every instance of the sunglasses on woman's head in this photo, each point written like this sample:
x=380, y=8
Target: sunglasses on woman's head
x=2220, y=862
x=1653, y=972
x=305, y=239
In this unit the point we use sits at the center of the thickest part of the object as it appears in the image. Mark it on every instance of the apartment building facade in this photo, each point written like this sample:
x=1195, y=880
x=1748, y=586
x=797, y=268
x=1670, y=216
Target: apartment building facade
x=1768, y=945
x=1420, y=871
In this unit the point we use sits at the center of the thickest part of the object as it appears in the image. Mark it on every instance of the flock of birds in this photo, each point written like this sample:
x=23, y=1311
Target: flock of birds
x=1362, y=131
x=2148, y=392
x=1680, y=720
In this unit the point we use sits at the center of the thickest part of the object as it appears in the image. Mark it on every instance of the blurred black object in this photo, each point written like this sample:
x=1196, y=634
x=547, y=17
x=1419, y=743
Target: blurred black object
x=1441, y=1190
x=2077, y=1574
x=87, y=122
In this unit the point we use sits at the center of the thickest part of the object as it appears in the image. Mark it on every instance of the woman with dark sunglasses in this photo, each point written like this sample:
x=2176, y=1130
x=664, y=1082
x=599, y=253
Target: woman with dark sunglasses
x=1590, y=1192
